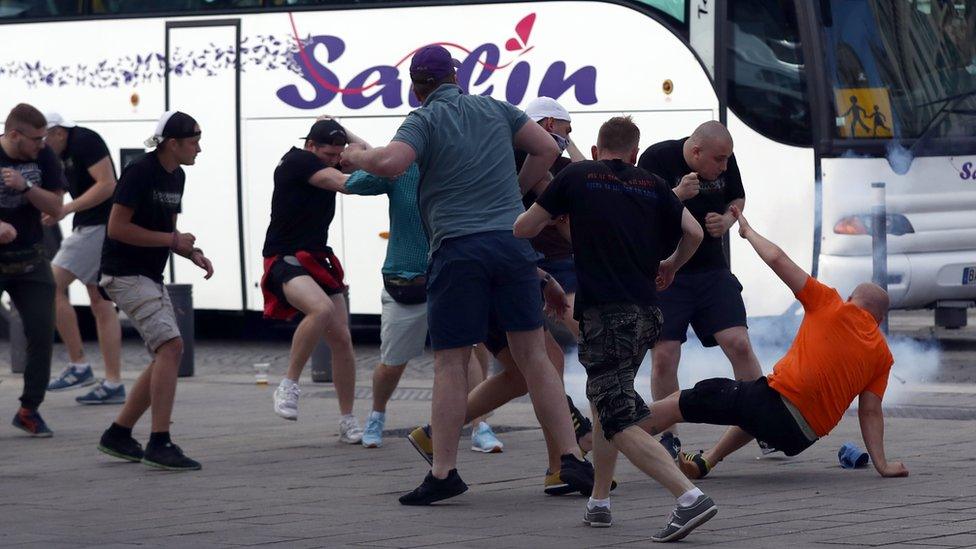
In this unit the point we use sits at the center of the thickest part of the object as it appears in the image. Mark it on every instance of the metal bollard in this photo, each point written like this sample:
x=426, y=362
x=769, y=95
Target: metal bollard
x=879, y=241
x=322, y=355
x=18, y=341
x=182, y=297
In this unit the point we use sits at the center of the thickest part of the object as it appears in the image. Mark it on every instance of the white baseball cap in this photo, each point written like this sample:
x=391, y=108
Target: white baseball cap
x=55, y=120
x=546, y=107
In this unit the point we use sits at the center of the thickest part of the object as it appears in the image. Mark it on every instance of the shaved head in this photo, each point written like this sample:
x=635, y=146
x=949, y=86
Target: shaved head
x=711, y=133
x=872, y=299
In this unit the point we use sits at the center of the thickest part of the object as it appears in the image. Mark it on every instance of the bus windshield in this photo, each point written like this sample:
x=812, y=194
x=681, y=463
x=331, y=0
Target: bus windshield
x=901, y=68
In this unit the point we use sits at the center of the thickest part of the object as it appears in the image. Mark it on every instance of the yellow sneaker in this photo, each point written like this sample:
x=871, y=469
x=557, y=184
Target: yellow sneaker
x=554, y=486
x=422, y=441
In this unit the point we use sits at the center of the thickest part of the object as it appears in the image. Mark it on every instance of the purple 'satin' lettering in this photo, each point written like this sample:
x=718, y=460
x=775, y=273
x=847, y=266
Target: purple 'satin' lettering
x=478, y=68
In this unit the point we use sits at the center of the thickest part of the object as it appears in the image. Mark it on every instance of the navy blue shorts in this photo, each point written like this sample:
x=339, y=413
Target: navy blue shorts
x=471, y=276
x=563, y=270
x=711, y=301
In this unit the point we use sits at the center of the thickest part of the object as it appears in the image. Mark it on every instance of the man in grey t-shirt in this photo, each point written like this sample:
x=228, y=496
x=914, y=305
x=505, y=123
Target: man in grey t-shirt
x=469, y=198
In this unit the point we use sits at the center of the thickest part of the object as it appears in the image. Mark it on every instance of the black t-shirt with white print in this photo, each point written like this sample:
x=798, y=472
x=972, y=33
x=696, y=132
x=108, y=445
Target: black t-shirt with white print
x=83, y=150
x=666, y=160
x=155, y=197
x=15, y=208
x=623, y=221
x=300, y=212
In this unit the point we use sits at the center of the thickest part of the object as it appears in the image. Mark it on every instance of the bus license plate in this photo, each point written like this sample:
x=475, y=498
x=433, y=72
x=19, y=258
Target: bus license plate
x=969, y=275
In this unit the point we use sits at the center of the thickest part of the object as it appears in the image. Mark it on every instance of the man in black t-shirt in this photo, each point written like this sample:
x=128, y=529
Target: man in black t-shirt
x=31, y=183
x=703, y=174
x=622, y=220
x=303, y=275
x=141, y=234
x=91, y=183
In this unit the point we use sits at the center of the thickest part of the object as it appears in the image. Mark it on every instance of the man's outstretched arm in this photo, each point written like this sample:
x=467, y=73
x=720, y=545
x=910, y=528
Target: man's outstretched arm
x=870, y=416
x=774, y=256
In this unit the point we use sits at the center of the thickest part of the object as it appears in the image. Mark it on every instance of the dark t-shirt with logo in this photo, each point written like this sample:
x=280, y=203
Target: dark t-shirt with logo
x=44, y=172
x=84, y=149
x=550, y=242
x=155, y=197
x=622, y=220
x=300, y=212
x=666, y=160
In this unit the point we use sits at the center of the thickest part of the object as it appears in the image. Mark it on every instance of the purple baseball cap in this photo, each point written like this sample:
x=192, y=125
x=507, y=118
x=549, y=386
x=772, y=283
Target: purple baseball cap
x=432, y=62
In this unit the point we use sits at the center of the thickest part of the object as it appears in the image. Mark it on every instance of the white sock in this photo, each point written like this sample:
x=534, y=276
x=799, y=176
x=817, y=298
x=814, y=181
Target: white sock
x=287, y=382
x=348, y=416
x=110, y=385
x=594, y=503
x=377, y=415
x=80, y=366
x=688, y=498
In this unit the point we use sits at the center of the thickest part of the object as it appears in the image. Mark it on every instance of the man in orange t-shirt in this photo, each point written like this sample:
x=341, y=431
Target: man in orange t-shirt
x=838, y=354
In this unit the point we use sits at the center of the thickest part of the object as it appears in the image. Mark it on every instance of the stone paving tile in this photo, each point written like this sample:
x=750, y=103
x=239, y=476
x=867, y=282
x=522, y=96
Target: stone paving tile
x=270, y=482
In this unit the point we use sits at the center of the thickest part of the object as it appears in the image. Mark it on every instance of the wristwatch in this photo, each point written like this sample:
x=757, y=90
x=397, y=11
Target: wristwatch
x=27, y=186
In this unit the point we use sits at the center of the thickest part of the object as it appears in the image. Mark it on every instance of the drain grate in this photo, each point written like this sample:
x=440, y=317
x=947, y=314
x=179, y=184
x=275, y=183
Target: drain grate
x=398, y=394
x=927, y=412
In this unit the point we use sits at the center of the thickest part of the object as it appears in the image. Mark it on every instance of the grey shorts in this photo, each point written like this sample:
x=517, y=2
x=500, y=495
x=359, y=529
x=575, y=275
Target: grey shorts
x=146, y=303
x=403, y=331
x=81, y=253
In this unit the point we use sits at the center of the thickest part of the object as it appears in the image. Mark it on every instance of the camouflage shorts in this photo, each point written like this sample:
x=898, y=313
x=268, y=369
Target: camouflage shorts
x=613, y=342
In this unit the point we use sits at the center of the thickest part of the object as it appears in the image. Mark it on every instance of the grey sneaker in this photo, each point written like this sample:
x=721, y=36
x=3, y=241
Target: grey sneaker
x=685, y=519
x=598, y=517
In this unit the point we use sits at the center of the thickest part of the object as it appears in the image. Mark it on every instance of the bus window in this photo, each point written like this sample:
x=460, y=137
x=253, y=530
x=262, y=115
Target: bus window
x=767, y=84
x=673, y=8
x=901, y=68
x=39, y=8
x=163, y=6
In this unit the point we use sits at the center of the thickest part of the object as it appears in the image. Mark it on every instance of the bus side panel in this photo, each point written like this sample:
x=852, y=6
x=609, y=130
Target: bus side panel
x=936, y=196
x=779, y=184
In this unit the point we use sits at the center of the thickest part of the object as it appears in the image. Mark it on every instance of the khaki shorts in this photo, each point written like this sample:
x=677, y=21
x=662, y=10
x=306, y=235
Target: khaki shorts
x=403, y=331
x=147, y=305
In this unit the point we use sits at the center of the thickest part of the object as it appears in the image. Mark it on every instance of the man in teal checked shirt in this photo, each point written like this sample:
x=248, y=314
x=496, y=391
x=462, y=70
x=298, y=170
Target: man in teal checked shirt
x=403, y=331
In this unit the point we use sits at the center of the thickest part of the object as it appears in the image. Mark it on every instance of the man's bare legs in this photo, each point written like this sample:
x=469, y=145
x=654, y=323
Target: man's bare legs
x=665, y=357
x=155, y=389
x=477, y=374
x=385, y=381
x=545, y=388
x=106, y=322
x=737, y=347
x=448, y=406
x=343, y=357
x=66, y=319
x=604, y=459
x=304, y=294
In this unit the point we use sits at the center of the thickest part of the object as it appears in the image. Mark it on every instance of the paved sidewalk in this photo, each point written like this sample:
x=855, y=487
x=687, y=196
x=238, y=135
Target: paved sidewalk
x=270, y=481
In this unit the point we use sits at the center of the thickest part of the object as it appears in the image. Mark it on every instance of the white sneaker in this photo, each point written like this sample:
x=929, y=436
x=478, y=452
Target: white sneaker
x=286, y=399
x=349, y=430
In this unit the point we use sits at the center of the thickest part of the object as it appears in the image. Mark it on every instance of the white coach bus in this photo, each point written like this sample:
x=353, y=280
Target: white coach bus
x=816, y=94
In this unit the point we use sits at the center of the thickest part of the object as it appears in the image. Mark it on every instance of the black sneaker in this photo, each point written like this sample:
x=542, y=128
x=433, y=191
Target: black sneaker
x=577, y=474
x=581, y=424
x=168, y=456
x=672, y=444
x=685, y=519
x=128, y=449
x=31, y=422
x=434, y=489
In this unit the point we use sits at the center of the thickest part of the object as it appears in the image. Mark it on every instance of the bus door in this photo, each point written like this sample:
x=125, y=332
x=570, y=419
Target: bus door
x=212, y=198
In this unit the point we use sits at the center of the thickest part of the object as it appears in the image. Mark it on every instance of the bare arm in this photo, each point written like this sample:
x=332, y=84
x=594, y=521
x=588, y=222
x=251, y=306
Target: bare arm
x=691, y=237
x=121, y=228
x=48, y=202
x=718, y=224
x=531, y=222
x=871, y=418
x=792, y=275
x=389, y=161
x=102, y=190
x=541, y=150
x=353, y=138
x=574, y=153
x=329, y=179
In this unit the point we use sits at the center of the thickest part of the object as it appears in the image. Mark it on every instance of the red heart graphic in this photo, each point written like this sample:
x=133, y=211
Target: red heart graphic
x=524, y=27
x=512, y=45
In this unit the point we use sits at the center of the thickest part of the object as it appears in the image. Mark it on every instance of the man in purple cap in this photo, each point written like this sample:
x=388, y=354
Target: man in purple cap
x=469, y=197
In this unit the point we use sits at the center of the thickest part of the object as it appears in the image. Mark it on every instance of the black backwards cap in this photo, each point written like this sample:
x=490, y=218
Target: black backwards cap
x=173, y=125
x=327, y=132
